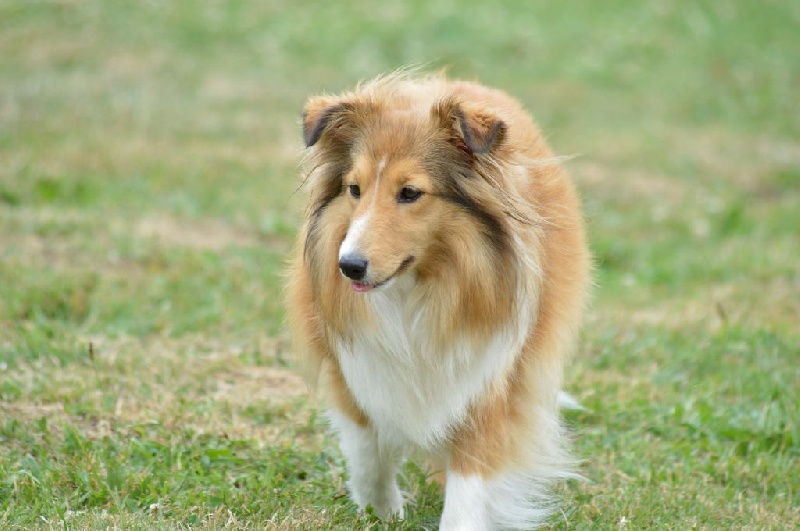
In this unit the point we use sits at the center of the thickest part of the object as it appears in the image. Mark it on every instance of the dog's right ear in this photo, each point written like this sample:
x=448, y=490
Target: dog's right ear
x=334, y=117
x=316, y=116
x=324, y=113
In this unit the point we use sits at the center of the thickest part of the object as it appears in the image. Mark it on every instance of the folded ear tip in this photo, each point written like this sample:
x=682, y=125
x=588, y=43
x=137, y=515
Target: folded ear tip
x=315, y=119
x=481, y=132
x=307, y=138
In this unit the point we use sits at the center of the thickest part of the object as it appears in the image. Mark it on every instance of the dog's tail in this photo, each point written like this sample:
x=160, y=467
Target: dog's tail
x=567, y=401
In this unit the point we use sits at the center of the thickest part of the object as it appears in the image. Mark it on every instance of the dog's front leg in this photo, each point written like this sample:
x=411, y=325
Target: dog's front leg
x=372, y=467
x=466, y=504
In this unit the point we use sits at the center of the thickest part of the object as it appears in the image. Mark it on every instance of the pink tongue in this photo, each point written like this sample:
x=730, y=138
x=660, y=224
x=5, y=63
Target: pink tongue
x=361, y=287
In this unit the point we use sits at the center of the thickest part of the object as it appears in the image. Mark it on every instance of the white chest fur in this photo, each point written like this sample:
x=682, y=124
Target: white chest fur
x=412, y=393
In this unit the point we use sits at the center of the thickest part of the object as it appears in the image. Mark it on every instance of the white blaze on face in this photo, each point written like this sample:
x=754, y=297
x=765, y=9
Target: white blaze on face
x=379, y=171
x=359, y=225
x=350, y=243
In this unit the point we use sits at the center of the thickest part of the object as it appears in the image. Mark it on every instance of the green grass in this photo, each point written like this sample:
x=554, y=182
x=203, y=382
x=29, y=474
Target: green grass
x=148, y=163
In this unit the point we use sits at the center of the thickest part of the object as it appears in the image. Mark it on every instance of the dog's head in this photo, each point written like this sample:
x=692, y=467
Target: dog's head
x=395, y=176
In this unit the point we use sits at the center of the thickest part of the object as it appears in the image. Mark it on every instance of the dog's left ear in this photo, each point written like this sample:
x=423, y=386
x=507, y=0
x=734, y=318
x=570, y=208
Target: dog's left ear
x=477, y=130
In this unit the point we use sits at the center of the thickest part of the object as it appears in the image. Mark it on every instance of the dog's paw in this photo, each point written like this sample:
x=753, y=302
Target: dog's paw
x=391, y=504
x=387, y=503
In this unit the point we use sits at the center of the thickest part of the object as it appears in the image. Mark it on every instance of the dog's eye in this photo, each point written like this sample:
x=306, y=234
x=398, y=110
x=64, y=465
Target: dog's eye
x=355, y=191
x=408, y=194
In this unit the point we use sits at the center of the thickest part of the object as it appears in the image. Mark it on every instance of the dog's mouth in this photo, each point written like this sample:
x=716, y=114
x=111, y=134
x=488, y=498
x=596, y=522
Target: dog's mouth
x=363, y=287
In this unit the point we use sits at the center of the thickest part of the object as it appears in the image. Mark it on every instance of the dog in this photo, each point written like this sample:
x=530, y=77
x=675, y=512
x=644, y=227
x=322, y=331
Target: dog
x=435, y=293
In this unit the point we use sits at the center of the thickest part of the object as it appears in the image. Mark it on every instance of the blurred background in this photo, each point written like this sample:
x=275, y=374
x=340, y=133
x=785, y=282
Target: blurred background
x=148, y=197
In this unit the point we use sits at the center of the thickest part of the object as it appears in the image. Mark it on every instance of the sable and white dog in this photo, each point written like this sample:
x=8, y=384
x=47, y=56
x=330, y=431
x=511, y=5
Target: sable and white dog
x=436, y=292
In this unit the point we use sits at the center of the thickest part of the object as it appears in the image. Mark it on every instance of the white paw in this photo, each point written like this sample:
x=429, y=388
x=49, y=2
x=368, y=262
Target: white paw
x=387, y=502
x=391, y=505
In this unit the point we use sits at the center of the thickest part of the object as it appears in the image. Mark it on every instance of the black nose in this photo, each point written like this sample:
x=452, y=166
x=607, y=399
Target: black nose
x=353, y=266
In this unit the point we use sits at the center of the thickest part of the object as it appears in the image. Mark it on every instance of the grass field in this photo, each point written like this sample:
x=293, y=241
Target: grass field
x=148, y=159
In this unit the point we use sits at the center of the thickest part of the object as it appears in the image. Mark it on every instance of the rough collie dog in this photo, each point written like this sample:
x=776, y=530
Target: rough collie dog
x=436, y=291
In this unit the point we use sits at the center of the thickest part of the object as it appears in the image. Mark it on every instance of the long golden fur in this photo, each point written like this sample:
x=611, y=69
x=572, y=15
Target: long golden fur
x=481, y=277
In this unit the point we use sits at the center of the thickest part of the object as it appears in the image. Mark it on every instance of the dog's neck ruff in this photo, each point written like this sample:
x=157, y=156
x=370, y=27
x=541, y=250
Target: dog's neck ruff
x=414, y=392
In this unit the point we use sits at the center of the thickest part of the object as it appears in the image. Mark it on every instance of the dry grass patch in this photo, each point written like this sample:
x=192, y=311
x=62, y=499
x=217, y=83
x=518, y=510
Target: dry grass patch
x=745, y=161
x=180, y=384
x=245, y=385
x=629, y=186
x=205, y=235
